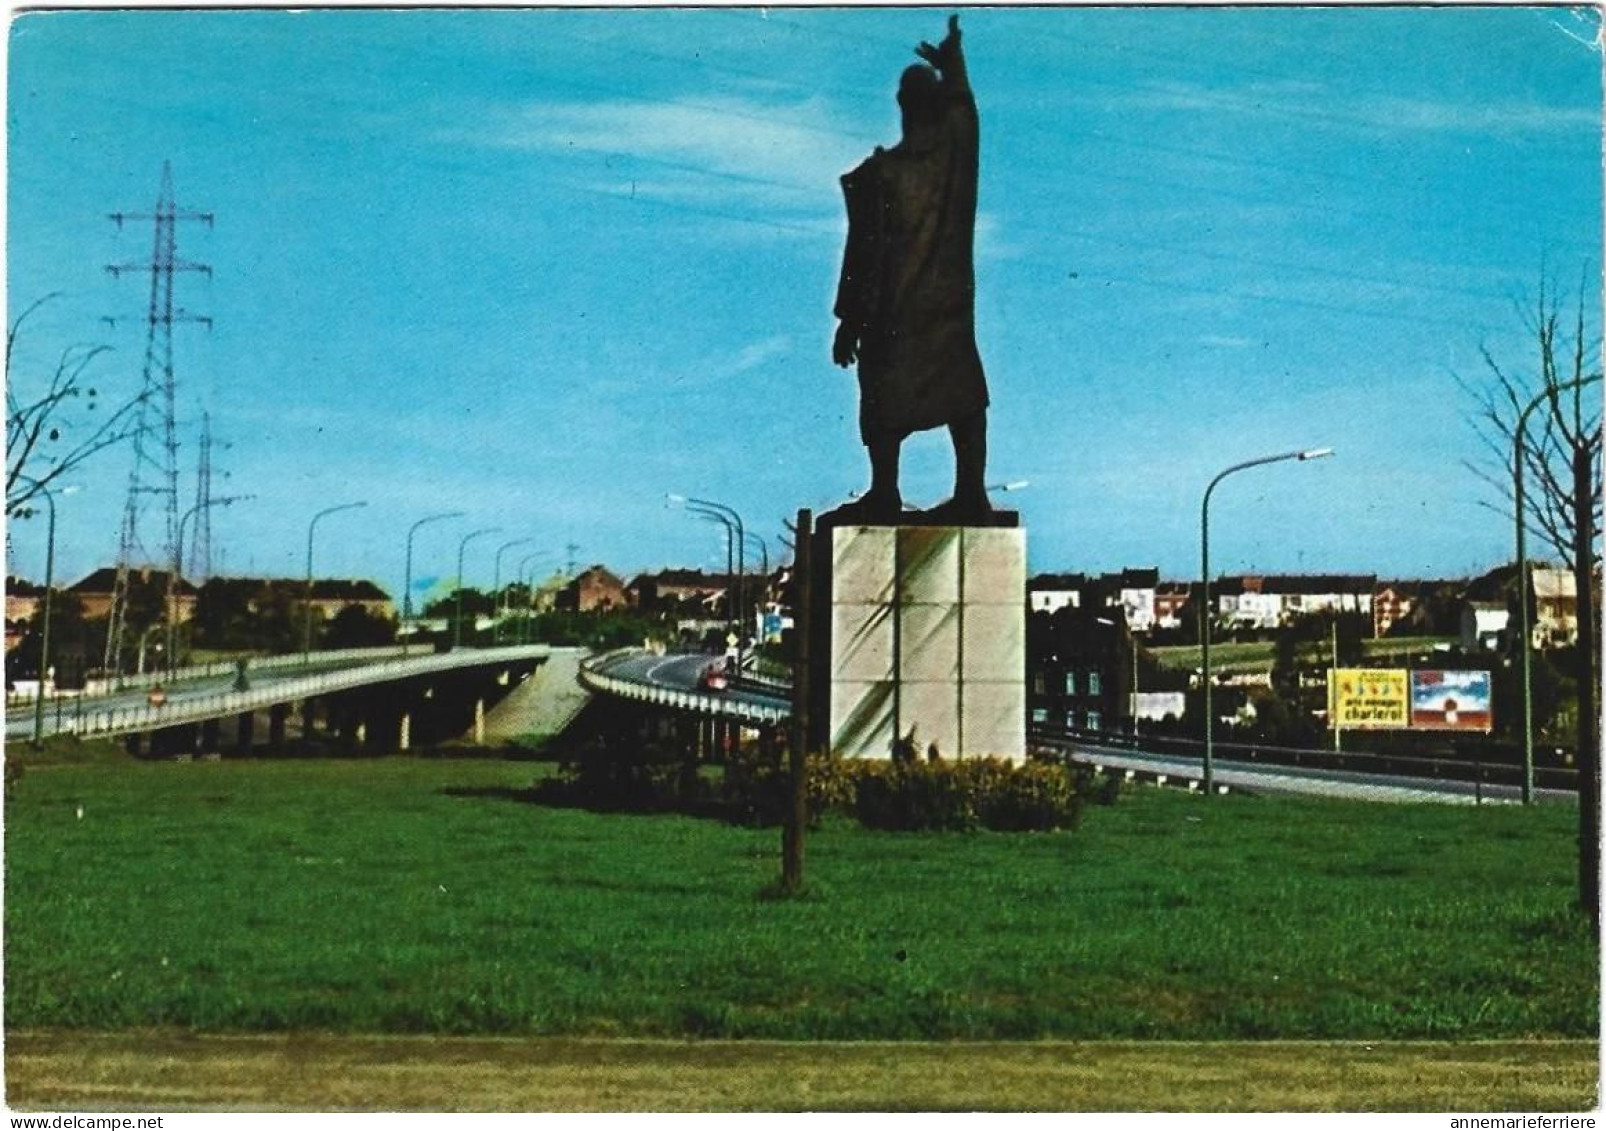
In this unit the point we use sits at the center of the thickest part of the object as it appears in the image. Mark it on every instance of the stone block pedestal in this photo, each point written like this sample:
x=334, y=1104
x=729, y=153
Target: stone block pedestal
x=923, y=631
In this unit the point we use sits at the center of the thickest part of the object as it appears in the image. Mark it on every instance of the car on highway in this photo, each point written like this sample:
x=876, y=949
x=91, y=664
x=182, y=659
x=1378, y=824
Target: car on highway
x=714, y=677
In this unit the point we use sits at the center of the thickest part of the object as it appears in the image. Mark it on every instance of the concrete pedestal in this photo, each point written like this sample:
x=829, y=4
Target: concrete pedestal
x=927, y=636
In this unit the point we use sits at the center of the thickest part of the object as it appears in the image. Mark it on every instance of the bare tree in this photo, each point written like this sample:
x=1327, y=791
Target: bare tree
x=1564, y=430
x=42, y=442
x=1561, y=457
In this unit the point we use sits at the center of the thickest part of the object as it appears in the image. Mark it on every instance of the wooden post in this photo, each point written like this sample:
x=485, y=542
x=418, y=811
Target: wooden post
x=797, y=818
x=1588, y=736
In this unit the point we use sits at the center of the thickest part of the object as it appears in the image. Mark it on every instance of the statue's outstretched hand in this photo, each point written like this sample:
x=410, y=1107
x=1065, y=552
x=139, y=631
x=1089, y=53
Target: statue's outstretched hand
x=942, y=54
x=845, y=350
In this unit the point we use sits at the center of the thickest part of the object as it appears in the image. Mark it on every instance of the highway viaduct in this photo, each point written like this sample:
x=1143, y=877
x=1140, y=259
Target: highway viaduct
x=377, y=704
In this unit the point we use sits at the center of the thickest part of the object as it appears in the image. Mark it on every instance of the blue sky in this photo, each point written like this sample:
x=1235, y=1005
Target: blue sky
x=545, y=266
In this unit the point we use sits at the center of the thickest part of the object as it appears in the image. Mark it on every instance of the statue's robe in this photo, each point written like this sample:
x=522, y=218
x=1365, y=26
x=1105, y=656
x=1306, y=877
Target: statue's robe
x=908, y=276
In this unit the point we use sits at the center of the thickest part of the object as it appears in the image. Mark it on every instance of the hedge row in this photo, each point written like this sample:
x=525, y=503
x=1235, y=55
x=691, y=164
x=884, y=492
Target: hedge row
x=907, y=796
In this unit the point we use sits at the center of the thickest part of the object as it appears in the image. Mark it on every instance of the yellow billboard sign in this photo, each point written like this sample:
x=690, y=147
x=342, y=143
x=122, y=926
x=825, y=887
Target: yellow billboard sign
x=1370, y=698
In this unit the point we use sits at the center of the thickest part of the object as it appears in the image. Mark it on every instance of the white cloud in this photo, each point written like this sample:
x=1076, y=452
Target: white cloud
x=756, y=354
x=1224, y=341
x=1464, y=117
x=1316, y=105
x=783, y=155
x=723, y=369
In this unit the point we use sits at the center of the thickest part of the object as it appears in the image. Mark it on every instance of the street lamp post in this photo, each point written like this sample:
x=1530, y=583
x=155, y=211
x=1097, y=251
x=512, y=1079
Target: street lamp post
x=1204, y=608
x=173, y=575
x=763, y=549
x=1522, y=581
x=704, y=506
x=407, y=583
x=730, y=560
x=1134, y=689
x=457, y=628
x=44, y=623
x=496, y=584
x=764, y=552
x=306, y=620
x=527, y=576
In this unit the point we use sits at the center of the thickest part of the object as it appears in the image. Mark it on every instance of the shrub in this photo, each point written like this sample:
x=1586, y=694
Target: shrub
x=831, y=784
x=754, y=786
x=908, y=796
x=899, y=796
x=619, y=776
x=1032, y=796
x=757, y=787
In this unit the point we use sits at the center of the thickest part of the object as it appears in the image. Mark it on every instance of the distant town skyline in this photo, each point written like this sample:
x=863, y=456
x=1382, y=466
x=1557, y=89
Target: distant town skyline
x=544, y=267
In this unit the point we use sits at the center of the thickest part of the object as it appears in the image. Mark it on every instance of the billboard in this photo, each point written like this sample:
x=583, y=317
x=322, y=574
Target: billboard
x=1451, y=701
x=1370, y=698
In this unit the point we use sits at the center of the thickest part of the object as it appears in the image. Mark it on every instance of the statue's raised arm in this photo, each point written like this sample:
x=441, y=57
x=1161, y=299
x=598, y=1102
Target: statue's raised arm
x=948, y=58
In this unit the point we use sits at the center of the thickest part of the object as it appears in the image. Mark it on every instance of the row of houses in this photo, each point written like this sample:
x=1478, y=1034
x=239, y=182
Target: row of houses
x=674, y=592
x=1480, y=608
x=94, y=595
x=1249, y=601
x=1266, y=602
x=595, y=589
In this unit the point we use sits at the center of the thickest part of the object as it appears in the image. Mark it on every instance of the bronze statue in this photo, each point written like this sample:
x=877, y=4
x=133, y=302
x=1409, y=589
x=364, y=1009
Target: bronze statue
x=906, y=299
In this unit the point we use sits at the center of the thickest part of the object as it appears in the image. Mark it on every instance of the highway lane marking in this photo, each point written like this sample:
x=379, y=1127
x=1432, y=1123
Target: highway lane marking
x=651, y=673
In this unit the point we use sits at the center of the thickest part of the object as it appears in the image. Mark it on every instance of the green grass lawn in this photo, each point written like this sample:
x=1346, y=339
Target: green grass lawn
x=424, y=895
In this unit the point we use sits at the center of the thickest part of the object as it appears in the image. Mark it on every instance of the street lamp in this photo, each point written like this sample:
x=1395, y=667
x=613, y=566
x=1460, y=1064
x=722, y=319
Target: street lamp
x=407, y=583
x=763, y=549
x=1522, y=582
x=732, y=616
x=527, y=576
x=178, y=560
x=730, y=556
x=457, y=628
x=306, y=628
x=1204, y=608
x=44, y=624
x=496, y=584
x=704, y=506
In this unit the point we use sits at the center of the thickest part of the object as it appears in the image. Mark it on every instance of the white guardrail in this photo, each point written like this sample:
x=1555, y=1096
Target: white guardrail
x=184, y=709
x=594, y=679
x=255, y=663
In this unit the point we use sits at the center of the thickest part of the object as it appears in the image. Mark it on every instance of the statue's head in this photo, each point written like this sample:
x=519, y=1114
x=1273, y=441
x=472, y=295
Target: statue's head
x=918, y=94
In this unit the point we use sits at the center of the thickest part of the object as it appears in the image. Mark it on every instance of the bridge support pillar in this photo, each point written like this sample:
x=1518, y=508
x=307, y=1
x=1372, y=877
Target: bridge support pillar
x=309, y=721
x=344, y=723
x=175, y=742
x=276, y=719
x=404, y=731
x=243, y=735
x=479, y=720
x=685, y=738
